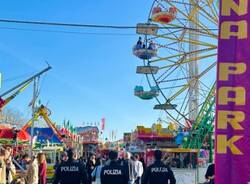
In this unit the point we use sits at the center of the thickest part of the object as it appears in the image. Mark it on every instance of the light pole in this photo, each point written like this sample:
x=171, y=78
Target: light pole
x=35, y=79
x=35, y=93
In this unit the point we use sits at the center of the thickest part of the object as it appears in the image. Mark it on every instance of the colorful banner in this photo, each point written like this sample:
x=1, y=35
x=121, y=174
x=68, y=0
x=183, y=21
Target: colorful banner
x=156, y=132
x=102, y=124
x=232, y=162
x=88, y=134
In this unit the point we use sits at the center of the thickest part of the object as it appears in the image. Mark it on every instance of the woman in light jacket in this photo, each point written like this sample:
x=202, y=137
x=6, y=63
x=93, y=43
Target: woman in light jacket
x=32, y=173
x=2, y=167
x=10, y=167
x=97, y=171
x=10, y=170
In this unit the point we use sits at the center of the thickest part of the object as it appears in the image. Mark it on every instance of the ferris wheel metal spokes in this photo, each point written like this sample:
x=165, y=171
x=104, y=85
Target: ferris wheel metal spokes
x=185, y=34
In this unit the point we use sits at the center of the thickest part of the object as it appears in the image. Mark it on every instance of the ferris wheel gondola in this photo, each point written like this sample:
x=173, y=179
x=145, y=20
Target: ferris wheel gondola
x=146, y=95
x=143, y=50
x=165, y=17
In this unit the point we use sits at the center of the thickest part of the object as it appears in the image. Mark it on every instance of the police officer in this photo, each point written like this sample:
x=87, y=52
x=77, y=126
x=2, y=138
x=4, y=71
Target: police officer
x=158, y=172
x=114, y=173
x=71, y=171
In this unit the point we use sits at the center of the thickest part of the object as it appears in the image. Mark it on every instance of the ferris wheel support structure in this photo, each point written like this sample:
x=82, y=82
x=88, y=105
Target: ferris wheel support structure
x=193, y=67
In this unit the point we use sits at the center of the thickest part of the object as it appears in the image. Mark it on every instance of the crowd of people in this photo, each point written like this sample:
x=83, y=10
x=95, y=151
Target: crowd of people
x=33, y=169
x=125, y=169
x=122, y=168
x=180, y=160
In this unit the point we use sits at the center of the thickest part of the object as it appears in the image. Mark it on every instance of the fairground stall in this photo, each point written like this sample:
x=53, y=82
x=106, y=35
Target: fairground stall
x=16, y=139
x=184, y=163
x=189, y=164
x=89, y=136
x=156, y=136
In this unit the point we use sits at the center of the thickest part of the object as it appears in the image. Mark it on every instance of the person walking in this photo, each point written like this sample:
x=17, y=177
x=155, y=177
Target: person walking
x=210, y=175
x=96, y=174
x=90, y=166
x=71, y=171
x=25, y=161
x=138, y=169
x=143, y=163
x=32, y=172
x=114, y=173
x=41, y=158
x=158, y=172
x=10, y=167
x=130, y=166
x=2, y=167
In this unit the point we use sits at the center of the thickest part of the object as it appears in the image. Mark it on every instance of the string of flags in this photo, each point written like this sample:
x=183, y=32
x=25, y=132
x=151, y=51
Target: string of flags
x=70, y=131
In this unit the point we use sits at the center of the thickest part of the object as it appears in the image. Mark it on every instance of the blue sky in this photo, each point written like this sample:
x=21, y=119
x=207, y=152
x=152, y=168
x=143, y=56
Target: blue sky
x=93, y=76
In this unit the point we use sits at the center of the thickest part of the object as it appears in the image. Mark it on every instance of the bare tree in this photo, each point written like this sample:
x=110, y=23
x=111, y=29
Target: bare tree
x=12, y=117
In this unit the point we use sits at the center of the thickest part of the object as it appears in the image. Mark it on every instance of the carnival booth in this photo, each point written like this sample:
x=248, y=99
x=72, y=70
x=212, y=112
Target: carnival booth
x=89, y=136
x=17, y=139
x=11, y=136
x=176, y=157
x=156, y=136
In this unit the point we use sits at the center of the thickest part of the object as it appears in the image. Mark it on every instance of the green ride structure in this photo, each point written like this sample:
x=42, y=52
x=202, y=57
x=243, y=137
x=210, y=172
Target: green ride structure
x=202, y=129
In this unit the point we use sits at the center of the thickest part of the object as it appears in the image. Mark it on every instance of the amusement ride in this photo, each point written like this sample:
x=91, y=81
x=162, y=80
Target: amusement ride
x=178, y=50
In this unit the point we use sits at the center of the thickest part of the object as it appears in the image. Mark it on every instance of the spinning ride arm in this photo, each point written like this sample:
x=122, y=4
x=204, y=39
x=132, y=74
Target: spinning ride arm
x=4, y=102
x=44, y=113
x=20, y=88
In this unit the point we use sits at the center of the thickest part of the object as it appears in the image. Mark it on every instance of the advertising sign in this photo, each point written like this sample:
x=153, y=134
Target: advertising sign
x=232, y=162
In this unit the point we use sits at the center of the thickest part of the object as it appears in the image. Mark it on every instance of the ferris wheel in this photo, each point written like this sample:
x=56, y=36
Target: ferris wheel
x=178, y=49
